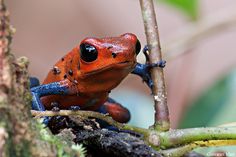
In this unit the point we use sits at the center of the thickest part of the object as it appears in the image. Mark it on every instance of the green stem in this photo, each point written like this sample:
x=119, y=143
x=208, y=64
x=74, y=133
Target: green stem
x=179, y=151
x=174, y=138
x=162, y=121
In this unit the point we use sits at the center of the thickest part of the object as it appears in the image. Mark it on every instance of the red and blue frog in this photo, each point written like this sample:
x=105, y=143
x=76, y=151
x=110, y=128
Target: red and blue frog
x=84, y=77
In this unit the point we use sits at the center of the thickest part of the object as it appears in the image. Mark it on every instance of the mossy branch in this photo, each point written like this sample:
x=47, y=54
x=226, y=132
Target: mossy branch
x=89, y=114
x=193, y=137
x=81, y=113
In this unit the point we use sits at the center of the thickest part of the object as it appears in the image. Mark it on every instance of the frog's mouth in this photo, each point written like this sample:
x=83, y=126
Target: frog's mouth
x=120, y=65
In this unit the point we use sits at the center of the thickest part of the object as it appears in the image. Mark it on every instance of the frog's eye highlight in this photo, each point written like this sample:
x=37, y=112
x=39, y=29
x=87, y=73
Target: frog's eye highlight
x=137, y=47
x=88, y=53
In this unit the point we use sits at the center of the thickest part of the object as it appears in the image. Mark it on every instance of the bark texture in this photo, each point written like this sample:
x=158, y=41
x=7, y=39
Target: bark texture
x=20, y=135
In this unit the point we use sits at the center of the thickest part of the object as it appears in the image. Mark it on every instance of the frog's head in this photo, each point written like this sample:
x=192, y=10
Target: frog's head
x=105, y=62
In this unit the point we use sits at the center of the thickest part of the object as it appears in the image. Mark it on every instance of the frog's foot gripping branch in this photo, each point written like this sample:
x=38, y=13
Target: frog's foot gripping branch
x=143, y=70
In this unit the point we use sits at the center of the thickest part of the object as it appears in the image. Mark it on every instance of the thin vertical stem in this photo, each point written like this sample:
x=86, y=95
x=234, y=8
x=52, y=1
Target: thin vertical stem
x=162, y=121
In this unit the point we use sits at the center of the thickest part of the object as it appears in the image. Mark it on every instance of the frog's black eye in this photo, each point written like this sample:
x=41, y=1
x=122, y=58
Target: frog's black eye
x=137, y=47
x=88, y=53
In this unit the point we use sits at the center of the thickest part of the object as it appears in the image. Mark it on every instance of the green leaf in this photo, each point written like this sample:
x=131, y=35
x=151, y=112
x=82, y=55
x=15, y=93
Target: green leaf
x=215, y=106
x=189, y=7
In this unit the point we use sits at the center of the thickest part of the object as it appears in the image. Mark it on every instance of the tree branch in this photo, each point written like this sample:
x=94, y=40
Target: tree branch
x=81, y=113
x=90, y=114
x=162, y=121
x=186, y=138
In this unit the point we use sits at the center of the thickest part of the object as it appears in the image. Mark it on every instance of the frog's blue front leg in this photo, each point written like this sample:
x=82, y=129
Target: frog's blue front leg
x=59, y=88
x=55, y=88
x=143, y=70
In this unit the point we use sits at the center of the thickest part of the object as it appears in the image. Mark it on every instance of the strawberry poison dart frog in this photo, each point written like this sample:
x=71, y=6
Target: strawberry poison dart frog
x=83, y=78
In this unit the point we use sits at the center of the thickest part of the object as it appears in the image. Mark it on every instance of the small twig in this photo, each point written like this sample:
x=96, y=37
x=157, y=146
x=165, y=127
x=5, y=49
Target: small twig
x=180, y=151
x=84, y=114
x=216, y=143
x=90, y=114
x=162, y=121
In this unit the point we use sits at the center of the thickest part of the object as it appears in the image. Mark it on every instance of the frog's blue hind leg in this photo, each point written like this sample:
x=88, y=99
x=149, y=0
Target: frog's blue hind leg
x=58, y=88
x=118, y=112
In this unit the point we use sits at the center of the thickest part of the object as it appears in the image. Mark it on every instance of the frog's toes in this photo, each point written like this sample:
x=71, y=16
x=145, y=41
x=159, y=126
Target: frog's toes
x=161, y=64
x=74, y=108
x=55, y=106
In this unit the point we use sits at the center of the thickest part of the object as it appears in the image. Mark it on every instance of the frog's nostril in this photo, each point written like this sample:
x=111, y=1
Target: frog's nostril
x=113, y=55
x=137, y=47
